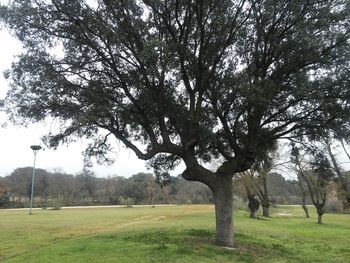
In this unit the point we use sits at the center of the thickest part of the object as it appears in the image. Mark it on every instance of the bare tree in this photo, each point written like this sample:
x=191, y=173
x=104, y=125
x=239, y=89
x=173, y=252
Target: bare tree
x=344, y=180
x=301, y=189
x=316, y=173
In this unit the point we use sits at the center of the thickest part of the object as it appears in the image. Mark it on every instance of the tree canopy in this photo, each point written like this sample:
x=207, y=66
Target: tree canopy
x=196, y=81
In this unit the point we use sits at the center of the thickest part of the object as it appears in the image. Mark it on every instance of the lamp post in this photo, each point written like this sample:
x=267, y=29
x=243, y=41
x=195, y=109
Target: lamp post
x=35, y=149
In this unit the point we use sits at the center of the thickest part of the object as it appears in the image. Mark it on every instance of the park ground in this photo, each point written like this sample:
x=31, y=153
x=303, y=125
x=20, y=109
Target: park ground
x=183, y=233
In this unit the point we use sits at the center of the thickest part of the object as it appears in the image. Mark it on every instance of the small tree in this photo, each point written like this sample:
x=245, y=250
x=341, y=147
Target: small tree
x=247, y=180
x=263, y=169
x=20, y=184
x=300, y=189
x=316, y=177
x=86, y=181
x=256, y=178
x=343, y=179
x=114, y=189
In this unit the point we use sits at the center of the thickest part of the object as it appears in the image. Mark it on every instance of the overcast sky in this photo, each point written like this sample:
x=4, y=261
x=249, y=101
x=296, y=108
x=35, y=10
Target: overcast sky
x=15, y=141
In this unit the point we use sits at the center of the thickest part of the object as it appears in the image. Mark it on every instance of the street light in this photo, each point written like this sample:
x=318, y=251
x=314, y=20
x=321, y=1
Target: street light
x=35, y=149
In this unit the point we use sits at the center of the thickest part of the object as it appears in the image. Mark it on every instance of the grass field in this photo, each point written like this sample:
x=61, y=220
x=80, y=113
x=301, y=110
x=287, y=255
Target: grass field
x=169, y=234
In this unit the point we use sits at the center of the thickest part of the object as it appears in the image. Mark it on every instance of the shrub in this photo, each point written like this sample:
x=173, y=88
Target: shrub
x=127, y=203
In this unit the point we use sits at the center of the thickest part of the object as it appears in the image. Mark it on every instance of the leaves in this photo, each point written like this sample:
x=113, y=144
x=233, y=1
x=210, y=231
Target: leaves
x=188, y=79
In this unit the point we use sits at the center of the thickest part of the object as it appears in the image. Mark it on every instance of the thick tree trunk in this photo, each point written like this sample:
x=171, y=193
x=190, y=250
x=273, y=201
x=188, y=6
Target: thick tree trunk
x=253, y=206
x=221, y=185
x=253, y=214
x=266, y=210
x=320, y=212
x=224, y=211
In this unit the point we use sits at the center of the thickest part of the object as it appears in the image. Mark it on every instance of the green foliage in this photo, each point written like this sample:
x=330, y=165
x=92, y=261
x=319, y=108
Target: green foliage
x=322, y=168
x=195, y=80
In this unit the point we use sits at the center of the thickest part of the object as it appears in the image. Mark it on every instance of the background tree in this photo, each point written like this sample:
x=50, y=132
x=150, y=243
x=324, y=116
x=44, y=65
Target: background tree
x=300, y=187
x=249, y=183
x=343, y=179
x=281, y=189
x=256, y=178
x=194, y=80
x=190, y=192
x=317, y=177
x=263, y=168
x=114, y=189
x=136, y=188
x=63, y=188
x=4, y=195
x=19, y=183
x=87, y=181
x=41, y=186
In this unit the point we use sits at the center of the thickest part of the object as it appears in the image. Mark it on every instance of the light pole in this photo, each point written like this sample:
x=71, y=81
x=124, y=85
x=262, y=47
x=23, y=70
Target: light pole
x=35, y=149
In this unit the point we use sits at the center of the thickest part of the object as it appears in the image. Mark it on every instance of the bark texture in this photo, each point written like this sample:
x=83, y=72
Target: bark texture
x=306, y=210
x=224, y=211
x=253, y=206
x=266, y=210
x=320, y=212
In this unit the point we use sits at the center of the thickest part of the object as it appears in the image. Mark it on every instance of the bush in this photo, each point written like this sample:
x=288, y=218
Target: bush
x=127, y=203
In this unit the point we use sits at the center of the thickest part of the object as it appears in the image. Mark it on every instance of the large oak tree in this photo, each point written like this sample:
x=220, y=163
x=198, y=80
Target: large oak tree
x=198, y=81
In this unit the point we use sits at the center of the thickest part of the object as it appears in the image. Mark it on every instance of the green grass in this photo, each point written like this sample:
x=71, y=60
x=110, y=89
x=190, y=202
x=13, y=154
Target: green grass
x=169, y=234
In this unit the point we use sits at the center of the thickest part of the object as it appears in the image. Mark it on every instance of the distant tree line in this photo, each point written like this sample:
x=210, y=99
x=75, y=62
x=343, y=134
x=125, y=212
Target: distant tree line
x=57, y=188
x=318, y=181
x=84, y=188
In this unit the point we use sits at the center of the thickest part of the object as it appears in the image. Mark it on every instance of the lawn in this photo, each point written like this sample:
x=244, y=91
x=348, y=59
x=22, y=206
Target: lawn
x=169, y=234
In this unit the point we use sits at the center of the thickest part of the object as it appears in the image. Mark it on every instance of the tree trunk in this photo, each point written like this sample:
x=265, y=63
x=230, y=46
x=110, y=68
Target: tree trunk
x=253, y=214
x=224, y=211
x=306, y=210
x=320, y=212
x=266, y=210
x=222, y=187
x=253, y=206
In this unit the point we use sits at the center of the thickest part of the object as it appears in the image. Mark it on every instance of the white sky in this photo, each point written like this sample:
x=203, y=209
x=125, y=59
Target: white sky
x=15, y=141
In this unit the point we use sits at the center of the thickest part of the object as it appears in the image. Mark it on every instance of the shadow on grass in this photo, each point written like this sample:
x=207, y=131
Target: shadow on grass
x=199, y=244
